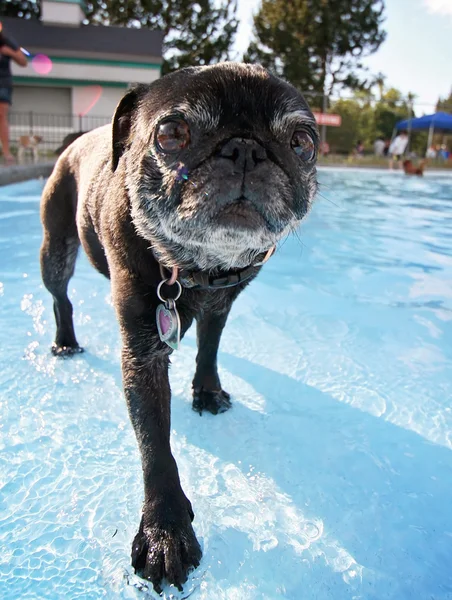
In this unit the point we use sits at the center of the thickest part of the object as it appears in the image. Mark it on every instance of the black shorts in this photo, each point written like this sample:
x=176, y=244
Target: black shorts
x=6, y=94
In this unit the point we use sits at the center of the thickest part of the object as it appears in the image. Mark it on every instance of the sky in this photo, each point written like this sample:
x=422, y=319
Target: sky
x=416, y=55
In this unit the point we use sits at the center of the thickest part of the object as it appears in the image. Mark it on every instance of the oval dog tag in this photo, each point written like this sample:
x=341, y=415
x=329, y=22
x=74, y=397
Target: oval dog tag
x=168, y=324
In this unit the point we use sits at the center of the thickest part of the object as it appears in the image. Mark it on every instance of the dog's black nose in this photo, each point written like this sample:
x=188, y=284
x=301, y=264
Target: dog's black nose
x=245, y=153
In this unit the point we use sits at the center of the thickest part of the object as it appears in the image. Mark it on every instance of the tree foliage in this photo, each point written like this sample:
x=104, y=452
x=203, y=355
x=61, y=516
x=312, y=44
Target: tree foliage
x=445, y=104
x=196, y=33
x=24, y=9
x=365, y=119
x=317, y=44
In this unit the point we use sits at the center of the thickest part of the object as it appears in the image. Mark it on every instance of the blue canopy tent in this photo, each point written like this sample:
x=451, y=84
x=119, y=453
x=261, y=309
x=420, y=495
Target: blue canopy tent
x=439, y=121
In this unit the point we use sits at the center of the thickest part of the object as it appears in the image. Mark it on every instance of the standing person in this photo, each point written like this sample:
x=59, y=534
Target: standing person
x=444, y=152
x=379, y=146
x=397, y=149
x=9, y=50
x=359, y=149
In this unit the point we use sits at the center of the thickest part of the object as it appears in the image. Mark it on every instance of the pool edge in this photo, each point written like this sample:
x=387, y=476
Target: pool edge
x=17, y=173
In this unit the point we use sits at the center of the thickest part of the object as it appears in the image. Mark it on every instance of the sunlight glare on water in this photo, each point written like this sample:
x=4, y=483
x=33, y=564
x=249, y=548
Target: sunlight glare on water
x=330, y=477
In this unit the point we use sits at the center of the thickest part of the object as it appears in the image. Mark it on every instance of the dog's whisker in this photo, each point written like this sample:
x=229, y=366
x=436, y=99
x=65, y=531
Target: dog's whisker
x=283, y=241
x=297, y=235
x=302, y=245
x=328, y=199
x=324, y=185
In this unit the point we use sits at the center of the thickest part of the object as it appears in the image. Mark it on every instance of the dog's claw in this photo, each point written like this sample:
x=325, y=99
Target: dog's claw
x=160, y=554
x=214, y=402
x=66, y=351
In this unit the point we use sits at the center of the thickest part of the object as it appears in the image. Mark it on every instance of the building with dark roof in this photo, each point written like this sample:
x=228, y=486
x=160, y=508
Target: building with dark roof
x=77, y=69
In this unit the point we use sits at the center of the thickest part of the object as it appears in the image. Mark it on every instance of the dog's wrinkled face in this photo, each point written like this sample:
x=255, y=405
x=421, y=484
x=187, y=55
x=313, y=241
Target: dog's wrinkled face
x=220, y=163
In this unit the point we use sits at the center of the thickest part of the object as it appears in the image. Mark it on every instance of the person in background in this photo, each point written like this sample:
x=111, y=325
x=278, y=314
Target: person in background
x=397, y=149
x=386, y=148
x=324, y=148
x=443, y=152
x=379, y=146
x=359, y=149
x=9, y=51
x=431, y=152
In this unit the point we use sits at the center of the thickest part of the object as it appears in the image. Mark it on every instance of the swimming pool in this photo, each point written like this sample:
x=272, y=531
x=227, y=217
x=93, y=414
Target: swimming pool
x=331, y=478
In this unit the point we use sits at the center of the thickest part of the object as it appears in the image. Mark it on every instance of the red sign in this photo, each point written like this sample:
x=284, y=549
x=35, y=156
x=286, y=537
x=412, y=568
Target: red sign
x=328, y=119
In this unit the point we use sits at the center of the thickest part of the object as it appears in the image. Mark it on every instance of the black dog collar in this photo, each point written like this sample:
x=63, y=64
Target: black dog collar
x=222, y=279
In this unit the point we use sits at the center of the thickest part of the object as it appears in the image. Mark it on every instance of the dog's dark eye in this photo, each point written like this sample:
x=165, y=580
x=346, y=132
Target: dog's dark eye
x=303, y=145
x=172, y=136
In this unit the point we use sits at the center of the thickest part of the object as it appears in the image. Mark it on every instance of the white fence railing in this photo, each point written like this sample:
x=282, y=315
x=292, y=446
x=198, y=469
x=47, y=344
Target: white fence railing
x=51, y=128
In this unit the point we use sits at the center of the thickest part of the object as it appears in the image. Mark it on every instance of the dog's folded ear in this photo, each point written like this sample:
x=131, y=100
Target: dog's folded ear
x=122, y=122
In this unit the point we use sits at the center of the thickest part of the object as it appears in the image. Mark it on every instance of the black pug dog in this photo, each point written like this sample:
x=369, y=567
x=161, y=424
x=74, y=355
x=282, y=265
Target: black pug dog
x=178, y=202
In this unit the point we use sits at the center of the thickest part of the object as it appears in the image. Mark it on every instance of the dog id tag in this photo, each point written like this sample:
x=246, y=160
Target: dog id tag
x=168, y=324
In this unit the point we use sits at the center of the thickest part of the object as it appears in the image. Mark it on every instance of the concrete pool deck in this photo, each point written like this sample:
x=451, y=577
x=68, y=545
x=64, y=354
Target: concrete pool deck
x=16, y=173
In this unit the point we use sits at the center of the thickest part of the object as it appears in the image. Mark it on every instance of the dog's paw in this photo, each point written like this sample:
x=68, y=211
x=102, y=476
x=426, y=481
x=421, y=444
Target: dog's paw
x=214, y=402
x=65, y=351
x=165, y=554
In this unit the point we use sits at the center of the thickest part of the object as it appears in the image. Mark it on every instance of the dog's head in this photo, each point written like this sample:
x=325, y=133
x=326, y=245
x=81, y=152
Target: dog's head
x=220, y=162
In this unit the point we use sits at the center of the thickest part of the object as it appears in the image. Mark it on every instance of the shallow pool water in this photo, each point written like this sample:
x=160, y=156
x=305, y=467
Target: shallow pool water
x=331, y=477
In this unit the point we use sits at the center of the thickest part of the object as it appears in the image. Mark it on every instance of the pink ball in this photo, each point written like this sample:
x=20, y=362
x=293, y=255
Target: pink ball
x=41, y=64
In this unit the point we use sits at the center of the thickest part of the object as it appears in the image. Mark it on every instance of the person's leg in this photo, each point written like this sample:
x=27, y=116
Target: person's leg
x=4, y=132
x=391, y=162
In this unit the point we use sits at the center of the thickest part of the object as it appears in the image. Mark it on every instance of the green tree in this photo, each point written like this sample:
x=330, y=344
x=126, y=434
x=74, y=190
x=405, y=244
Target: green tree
x=364, y=119
x=24, y=9
x=342, y=139
x=388, y=111
x=445, y=104
x=358, y=123
x=196, y=33
x=317, y=44
x=379, y=81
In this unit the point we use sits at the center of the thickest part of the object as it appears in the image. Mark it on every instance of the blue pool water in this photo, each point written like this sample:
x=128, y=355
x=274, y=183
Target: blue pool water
x=330, y=479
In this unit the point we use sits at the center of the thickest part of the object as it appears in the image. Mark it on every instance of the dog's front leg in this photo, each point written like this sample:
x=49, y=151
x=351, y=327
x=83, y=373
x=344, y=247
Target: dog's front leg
x=165, y=546
x=207, y=391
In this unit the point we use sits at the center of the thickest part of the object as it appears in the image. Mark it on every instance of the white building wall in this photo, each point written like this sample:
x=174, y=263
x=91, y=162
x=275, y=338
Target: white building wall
x=49, y=100
x=62, y=13
x=95, y=100
x=87, y=89
x=52, y=111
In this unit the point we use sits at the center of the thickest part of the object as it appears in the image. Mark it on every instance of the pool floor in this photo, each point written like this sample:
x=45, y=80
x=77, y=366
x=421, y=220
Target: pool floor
x=331, y=477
